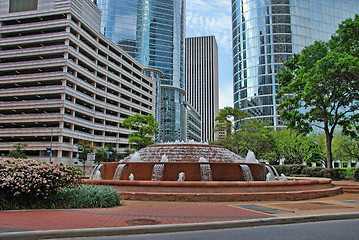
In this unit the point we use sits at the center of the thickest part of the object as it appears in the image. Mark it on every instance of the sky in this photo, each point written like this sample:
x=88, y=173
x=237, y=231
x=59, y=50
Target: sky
x=213, y=18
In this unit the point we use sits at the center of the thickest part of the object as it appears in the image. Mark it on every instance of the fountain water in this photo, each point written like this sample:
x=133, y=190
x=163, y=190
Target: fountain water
x=283, y=177
x=246, y=172
x=251, y=158
x=157, y=172
x=270, y=175
x=135, y=157
x=96, y=174
x=181, y=177
x=275, y=171
x=131, y=177
x=118, y=171
x=206, y=172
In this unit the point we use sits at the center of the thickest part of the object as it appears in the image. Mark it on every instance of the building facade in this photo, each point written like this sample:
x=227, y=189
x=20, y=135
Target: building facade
x=192, y=123
x=266, y=33
x=202, y=81
x=153, y=32
x=62, y=81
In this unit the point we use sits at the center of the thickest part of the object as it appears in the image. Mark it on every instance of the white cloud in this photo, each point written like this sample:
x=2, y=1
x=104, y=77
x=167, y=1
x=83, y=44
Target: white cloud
x=214, y=18
x=211, y=17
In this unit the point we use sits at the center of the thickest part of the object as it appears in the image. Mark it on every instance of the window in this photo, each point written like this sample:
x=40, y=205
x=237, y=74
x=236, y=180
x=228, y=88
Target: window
x=22, y=5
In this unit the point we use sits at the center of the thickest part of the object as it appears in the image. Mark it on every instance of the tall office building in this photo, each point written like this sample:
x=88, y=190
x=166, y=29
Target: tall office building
x=153, y=32
x=202, y=81
x=62, y=81
x=266, y=33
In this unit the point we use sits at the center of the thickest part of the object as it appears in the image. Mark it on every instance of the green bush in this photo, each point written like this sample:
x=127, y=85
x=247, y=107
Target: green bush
x=86, y=197
x=295, y=169
x=290, y=170
x=347, y=173
x=26, y=183
x=356, y=174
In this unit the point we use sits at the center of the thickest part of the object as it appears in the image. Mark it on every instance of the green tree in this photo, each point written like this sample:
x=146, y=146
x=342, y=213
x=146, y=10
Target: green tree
x=319, y=86
x=230, y=119
x=84, y=147
x=101, y=155
x=297, y=148
x=18, y=152
x=345, y=148
x=257, y=136
x=144, y=127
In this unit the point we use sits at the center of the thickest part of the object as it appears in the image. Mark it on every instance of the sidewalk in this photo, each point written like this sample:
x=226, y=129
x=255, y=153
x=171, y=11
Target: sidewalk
x=140, y=217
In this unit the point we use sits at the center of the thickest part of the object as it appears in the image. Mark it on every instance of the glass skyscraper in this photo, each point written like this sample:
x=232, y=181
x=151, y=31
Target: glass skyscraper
x=266, y=33
x=153, y=32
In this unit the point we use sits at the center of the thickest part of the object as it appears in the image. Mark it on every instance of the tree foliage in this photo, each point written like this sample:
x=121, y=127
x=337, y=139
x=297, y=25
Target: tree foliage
x=18, y=152
x=101, y=154
x=257, y=136
x=230, y=119
x=345, y=148
x=319, y=86
x=144, y=127
x=84, y=147
x=297, y=148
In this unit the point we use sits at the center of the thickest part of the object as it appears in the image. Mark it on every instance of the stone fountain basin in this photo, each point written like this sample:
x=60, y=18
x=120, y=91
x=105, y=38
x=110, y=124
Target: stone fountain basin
x=220, y=171
x=294, y=189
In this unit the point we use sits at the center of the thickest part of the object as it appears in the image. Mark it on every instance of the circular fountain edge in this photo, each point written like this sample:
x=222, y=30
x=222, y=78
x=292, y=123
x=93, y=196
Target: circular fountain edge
x=298, y=189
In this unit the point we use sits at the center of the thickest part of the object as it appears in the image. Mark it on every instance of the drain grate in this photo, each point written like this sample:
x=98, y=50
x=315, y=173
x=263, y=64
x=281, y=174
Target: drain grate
x=263, y=209
x=350, y=201
x=142, y=221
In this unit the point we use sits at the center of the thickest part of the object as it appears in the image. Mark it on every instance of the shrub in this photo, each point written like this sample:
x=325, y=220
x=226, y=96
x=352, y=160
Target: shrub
x=335, y=174
x=295, y=169
x=347, y=173
x=356, y=174
x=86, y=197
x=28, y=183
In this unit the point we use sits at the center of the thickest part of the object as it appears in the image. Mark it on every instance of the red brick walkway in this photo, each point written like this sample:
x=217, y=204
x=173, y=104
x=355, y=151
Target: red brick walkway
x=13, y=221
x=145, y=213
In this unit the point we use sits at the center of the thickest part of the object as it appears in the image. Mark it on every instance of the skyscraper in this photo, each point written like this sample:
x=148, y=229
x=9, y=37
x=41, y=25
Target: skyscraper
x=266, y=34
x=153, y=32
x=202, y=81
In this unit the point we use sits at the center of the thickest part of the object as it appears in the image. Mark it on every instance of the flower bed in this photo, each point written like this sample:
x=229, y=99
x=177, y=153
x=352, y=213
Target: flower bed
x=28, y=183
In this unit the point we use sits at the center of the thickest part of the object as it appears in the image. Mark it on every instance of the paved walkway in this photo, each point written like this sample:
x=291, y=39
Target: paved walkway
x=135, y=213
x=145, y=214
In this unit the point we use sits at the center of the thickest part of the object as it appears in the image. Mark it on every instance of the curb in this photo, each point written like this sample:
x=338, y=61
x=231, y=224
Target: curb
x=166, y=228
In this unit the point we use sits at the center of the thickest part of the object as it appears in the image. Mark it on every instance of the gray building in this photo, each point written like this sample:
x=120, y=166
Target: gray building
x=202, y=81
x=266, y=34
x=62, y=81
x=192, y=123
x=153, y=32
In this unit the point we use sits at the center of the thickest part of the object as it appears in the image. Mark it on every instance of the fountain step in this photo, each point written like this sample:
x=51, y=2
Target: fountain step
x=307, y=188
x=230, y=197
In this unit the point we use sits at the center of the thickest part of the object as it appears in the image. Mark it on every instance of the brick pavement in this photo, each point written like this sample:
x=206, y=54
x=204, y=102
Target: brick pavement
x=142, y=213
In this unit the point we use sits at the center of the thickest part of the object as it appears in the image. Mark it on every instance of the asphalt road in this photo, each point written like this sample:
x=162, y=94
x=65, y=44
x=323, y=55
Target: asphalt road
x=328, y=230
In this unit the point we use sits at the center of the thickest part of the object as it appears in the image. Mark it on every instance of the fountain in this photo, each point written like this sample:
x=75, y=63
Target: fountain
x=203, y=172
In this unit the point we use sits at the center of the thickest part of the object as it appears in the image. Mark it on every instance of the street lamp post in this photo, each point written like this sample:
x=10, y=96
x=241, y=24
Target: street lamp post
x=51, y=146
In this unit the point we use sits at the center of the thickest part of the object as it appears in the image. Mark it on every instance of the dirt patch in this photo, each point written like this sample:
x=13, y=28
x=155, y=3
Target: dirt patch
x=142, y=221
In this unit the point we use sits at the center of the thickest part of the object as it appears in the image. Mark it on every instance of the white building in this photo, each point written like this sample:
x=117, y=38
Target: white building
x=62, y=81
x=202, y=81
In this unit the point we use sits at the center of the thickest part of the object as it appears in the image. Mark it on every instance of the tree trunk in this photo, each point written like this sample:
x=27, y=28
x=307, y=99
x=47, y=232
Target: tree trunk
x=329, y=138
